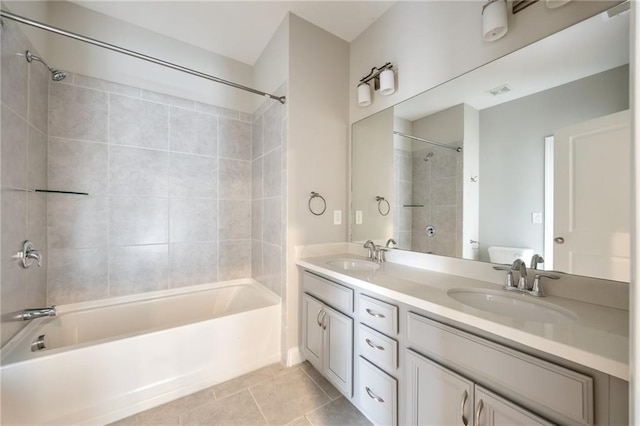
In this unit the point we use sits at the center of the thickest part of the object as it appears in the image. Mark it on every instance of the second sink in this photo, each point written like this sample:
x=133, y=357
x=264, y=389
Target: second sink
x=354, y=265
x=515, y=306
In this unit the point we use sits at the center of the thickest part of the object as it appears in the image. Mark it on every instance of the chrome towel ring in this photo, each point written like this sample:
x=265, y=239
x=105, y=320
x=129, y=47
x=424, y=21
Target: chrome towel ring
x=381, y=205
x=317, y=211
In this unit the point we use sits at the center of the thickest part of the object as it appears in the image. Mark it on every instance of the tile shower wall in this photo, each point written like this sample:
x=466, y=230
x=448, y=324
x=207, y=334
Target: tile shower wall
x=437, y=191
x=403, y=184
x=268, y=226
x=23, y=165
x=170, y=191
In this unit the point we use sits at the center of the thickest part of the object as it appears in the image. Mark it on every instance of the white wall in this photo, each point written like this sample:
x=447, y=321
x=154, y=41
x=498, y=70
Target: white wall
x=433, y=41
x=317, y=144
x=82, y=58
x=271, y=70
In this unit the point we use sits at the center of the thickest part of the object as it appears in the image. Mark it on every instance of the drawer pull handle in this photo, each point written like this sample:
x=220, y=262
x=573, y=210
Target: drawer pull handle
x=374, y=396
x=374, y=314
x=318, y=320
x=465, y=395
x=380, y=348
x=324, y=323
x=478, y=411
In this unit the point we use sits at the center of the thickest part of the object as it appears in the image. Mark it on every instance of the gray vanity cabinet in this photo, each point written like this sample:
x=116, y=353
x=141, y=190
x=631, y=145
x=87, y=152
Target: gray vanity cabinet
x=439, y=396
x=327, y=334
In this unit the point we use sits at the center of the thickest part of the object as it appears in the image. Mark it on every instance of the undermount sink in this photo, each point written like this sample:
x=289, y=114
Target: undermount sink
x=354, y=265
x=512, y=305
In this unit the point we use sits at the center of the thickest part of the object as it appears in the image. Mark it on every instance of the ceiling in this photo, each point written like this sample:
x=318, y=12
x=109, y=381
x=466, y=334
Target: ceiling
x=239, y=29
x=590, y=47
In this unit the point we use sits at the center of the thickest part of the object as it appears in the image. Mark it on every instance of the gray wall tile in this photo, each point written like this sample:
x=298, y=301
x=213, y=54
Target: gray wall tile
x=15, y=73
x=193, y=263
x=167, y=99
x=256, y=219
x=13, y=279
x=234, y=139
x=193, y=219
x=136, y=122
x=77, y=113
x=256, y=260
x=256, y=179
x=37, y=219
x=257, y=138
x=77, y=275
x=138, y=221
x=193, y=132
x=193, y=176
x=78, y=166
x=77, y=221
x=234, y=180
x=273, y=173
x=216, y=110
x=15, y=139
x=272, y=267
x=235, y=219
x=107, y=86
x=138, y=269
x=272, y=223
x=135, y=171
x=273, y=127
x=37, y=159
x=39, y=97
x=234, y=259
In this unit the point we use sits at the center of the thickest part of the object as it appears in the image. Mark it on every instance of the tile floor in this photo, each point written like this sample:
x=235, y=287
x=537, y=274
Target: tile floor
x=273, y=395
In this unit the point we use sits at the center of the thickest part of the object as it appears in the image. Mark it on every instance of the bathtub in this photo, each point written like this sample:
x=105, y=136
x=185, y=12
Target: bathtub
x=107, y=360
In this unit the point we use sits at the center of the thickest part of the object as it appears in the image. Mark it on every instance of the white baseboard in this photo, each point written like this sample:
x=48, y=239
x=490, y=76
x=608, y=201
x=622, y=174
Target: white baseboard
x=294, y=356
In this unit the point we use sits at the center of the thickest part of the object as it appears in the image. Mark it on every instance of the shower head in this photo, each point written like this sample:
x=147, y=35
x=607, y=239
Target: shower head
x=56, y=75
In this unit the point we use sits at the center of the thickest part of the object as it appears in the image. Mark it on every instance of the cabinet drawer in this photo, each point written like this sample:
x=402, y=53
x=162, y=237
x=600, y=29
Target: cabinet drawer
x=378, y=394
x=333, y=294
x=377, y=314
x=540, y=385
x=378, y=348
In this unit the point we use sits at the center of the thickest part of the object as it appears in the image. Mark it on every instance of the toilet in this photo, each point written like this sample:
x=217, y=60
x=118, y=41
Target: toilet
x=506, y=255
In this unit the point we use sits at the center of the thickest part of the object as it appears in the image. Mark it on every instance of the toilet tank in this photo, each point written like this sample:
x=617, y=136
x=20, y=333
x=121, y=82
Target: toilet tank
x=506, y=255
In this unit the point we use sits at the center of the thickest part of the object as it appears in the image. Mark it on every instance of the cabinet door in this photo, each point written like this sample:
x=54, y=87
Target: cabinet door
x=493, y=410
x=436, y=395
x=312, y=335
x=338, y=350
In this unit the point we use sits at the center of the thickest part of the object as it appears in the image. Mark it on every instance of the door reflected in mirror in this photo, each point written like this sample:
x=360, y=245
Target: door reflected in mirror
x=545, y=157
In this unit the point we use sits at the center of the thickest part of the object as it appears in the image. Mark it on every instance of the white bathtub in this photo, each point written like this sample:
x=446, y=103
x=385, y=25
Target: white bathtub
x=107, y=360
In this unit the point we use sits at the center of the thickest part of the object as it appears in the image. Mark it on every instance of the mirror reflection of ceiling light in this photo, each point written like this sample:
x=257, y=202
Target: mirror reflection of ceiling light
x=501, y=90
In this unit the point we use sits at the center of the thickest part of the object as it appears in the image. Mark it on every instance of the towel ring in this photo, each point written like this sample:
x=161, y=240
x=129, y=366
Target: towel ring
x=324, y=203
x=380, y=201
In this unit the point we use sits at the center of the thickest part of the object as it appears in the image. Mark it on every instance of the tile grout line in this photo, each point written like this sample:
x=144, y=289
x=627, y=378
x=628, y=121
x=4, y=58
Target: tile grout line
x=258, y=405
x=318, y=386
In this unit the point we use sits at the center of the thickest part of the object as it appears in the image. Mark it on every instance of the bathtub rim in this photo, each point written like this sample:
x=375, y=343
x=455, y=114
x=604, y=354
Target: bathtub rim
x=18, y=341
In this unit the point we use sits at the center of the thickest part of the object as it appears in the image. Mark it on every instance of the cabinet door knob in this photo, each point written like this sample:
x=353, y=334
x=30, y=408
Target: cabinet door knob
x=478, y=412
x=559, y=240
x=465, y=395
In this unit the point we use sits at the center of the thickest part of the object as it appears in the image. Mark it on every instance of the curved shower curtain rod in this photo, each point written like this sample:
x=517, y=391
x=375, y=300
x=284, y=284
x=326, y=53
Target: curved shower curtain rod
x=131, y=53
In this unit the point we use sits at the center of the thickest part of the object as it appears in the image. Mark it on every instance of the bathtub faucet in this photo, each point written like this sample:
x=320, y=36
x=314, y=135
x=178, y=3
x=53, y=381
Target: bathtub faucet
x=30, y=314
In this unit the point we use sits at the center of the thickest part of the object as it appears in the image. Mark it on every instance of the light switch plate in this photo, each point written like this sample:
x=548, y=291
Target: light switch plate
x=337, y=217
x=358, y=217
x=536, y=217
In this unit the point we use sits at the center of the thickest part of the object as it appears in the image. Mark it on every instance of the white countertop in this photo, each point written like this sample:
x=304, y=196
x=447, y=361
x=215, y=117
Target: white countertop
x=599, y=339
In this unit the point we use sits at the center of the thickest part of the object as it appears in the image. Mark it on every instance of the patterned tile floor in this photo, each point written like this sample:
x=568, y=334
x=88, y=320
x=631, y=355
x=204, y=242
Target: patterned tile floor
x=273, y=395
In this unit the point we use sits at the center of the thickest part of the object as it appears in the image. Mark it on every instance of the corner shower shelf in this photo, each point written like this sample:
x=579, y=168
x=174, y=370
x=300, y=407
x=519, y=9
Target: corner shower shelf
x=52, y=191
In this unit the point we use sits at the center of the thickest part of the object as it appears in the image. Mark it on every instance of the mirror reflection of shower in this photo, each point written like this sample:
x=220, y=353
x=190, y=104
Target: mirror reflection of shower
x=428, y=156
x=56, y=75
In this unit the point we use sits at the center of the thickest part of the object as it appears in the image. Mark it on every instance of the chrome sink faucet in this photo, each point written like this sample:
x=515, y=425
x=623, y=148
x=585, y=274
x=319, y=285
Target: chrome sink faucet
x=370, y=245
x=29, y=314
x=535, y=260
x=521, y=267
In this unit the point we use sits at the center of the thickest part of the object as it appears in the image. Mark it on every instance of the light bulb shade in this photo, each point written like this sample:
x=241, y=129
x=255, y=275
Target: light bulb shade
x=364, y=94
x=387, y=82
x=494, y=20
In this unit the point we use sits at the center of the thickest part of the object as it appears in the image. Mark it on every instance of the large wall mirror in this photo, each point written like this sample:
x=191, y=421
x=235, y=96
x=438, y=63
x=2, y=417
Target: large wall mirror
x=529, y=154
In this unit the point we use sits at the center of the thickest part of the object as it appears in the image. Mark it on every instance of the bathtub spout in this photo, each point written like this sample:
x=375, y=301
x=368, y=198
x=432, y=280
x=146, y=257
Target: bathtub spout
x=30, y=314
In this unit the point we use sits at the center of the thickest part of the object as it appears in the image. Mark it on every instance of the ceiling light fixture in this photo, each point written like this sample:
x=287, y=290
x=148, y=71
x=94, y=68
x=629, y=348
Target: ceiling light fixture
x=384, y=79
x=494, y=20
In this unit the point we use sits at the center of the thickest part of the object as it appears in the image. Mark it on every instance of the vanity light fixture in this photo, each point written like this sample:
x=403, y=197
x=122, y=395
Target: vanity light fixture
x=494, y=20
x=384, y=79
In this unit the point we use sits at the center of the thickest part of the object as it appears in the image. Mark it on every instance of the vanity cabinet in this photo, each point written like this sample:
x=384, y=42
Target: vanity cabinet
x=328, y=334
x=439, y=396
